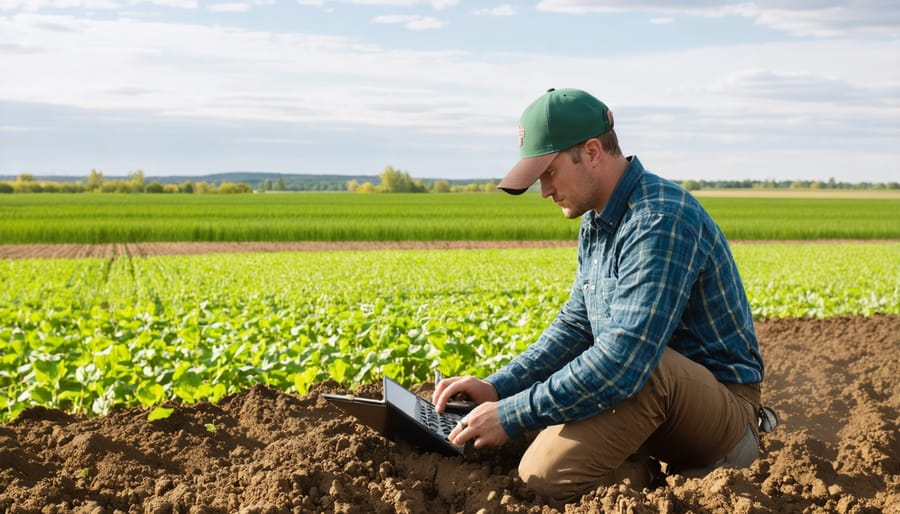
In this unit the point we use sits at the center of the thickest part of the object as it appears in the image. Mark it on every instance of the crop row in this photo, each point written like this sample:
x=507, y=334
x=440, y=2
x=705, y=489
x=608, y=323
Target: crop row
x=92, y=334
x=60, y=218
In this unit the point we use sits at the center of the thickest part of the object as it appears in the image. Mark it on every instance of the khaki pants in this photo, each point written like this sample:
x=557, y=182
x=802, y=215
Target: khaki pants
x=683, y=417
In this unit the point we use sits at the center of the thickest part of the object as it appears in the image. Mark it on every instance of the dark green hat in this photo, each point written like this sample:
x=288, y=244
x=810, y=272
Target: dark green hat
x=557, y=120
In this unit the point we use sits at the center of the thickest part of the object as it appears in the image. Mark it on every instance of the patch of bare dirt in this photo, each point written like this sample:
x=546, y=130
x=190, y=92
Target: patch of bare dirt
x=111, y=250
x=834, y=383
x=74, y=251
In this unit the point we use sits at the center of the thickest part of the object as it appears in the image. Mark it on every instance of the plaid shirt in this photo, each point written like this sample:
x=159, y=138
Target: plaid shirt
x=653, y=270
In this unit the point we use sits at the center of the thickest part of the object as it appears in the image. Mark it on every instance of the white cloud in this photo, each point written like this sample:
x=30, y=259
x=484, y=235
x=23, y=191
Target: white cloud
x=792, y=87
x=719, y=105
x=36, y=5
x=662, y=20
x=410, y=21
x=824, y=18
x=500, y=10
x=436, y=4
x=230, y=7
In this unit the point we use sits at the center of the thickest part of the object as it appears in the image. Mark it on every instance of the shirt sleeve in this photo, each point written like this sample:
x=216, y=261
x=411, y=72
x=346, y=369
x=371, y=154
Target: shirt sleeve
x=633, y=315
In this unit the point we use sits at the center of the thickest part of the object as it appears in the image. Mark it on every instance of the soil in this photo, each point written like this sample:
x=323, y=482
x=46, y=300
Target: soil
x=834, y=383
x=112, y=250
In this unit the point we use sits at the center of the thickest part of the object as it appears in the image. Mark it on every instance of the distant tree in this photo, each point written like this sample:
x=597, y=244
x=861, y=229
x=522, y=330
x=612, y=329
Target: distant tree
x=95, y=180
x=153, y=187
x=489, y=187
x=186, y=187
x=366, y=187
x=136, y=181
x=440, y=186
x=266, y=185
x=25, y=183
x=203, y=188
x=279, y=185
x=6, y=188
x=232, y=188
x=691, y=185
x=396, y=181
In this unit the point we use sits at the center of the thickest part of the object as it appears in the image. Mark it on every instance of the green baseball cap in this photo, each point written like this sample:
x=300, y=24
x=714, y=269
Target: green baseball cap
x=560, y=118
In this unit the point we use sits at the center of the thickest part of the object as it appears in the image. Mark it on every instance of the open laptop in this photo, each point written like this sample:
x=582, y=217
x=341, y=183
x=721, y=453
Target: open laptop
x=403, y=416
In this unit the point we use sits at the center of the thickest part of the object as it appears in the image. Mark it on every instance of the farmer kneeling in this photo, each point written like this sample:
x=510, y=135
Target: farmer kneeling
x=654, y=355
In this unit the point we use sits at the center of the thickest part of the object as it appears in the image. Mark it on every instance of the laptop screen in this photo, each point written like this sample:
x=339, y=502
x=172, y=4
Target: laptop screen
x=400, y=397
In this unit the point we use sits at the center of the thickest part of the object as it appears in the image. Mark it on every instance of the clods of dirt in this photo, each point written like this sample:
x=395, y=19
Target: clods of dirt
x=834, y=383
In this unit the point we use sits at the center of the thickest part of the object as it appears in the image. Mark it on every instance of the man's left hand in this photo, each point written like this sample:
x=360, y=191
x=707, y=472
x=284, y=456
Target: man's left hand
x=482, y=426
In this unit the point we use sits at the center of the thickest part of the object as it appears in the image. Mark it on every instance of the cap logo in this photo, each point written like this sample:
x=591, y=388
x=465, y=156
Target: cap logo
x=521, y=135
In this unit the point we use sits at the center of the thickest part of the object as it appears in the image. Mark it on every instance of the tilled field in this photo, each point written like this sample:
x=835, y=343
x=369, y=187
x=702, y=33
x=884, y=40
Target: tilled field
x=834, y=383
x=111, y=250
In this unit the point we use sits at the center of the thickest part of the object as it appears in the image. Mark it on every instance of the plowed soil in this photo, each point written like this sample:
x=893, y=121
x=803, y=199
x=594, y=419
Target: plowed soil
x=834, y=382
x=111, y=250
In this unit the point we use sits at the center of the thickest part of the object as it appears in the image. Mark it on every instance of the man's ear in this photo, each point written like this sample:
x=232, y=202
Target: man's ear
x=593, y=148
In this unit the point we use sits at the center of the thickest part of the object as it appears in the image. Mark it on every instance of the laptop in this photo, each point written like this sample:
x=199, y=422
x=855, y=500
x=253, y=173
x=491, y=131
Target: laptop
x=404, y=416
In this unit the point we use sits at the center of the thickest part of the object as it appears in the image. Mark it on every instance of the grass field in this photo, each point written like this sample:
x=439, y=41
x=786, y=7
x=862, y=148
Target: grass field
x=111, y=218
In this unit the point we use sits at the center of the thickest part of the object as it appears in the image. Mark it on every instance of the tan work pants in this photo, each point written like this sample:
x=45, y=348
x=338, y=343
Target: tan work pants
x=682, y=416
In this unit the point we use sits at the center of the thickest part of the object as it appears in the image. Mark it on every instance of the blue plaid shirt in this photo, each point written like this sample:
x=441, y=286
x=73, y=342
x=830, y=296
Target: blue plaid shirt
x=653, y=270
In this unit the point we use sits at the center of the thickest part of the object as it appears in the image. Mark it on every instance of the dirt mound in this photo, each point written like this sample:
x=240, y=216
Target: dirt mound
x=834, y=383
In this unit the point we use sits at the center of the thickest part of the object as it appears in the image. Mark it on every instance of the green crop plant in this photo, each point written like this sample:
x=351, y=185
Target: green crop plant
x=90, y=335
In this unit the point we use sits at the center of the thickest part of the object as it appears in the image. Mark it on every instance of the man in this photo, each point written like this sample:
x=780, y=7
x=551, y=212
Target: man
x=653, y=355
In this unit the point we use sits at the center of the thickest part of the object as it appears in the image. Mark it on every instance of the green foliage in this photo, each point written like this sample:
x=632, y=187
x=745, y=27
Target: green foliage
x=58, y=218
x=396, y=181
x=89, y=335
x=159, y=413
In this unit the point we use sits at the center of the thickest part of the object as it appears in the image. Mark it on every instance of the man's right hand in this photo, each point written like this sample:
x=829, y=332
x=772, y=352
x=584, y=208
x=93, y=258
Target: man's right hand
x=479, y=391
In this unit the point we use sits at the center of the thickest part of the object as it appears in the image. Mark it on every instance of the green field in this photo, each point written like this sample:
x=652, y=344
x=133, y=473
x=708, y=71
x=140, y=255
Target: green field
x=92, y=334
x=88, y=335
x=111, y=218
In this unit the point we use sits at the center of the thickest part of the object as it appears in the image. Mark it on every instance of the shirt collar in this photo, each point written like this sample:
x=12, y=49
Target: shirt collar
x=618, y=202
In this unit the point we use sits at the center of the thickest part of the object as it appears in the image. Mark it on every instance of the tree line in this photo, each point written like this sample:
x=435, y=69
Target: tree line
x=390, y=180
x=135, y=183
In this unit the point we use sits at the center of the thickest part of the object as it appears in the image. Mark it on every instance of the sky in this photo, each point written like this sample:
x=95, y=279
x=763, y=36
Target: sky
x=700, y=89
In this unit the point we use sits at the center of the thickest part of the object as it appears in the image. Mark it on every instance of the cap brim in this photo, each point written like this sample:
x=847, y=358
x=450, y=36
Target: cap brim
x=525, y=173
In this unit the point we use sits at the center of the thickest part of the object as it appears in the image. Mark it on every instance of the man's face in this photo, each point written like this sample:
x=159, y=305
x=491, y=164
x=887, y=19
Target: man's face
x=570, y=185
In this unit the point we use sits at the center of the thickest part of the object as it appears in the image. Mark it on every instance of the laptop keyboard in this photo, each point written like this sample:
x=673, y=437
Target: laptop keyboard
x=440, y=423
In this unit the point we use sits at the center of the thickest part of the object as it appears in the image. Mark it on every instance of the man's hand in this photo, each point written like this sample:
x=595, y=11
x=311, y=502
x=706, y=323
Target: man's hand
x=482, y=424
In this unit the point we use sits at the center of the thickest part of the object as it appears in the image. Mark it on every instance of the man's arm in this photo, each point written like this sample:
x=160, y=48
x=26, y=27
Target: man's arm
x=658, y=260
x=566, y=337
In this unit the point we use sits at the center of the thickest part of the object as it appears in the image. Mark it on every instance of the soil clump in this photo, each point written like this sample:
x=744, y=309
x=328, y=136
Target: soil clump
x=833, y=382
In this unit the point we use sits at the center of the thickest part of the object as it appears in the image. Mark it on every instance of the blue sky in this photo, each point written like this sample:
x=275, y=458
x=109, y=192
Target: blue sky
x=701, y=89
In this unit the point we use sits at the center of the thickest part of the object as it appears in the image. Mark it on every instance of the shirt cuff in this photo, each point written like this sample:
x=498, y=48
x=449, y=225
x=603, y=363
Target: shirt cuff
x=504, y=382
x=516, y=414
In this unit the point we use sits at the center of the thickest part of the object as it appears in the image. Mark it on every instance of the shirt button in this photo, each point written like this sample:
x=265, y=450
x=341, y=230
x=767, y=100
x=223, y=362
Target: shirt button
x=596, y=261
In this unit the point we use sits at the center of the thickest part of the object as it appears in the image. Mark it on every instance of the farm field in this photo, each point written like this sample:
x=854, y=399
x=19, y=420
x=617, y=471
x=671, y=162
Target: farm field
x=110, y=218
x=92, y=334
x=241, y=344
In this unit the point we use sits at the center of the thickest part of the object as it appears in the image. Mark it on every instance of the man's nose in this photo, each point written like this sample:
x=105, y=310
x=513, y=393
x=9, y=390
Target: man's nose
x=546, y=188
